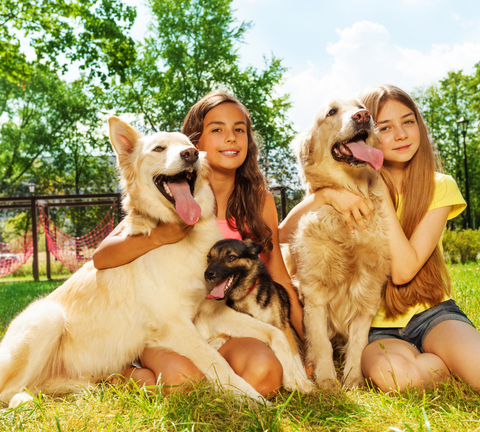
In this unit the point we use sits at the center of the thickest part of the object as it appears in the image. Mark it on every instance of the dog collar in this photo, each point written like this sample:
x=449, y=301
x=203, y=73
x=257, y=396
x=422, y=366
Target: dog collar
x=253, y=287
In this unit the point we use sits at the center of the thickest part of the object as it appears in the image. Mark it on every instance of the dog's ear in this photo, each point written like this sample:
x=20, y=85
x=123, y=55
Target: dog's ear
x=253, y=247
x=122, y=136
x=301, y=146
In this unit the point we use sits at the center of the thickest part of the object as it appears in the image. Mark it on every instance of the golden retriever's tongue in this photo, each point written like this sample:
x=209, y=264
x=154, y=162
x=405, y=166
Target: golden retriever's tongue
x=364, y=152
x=187, y=208
x=218, y=291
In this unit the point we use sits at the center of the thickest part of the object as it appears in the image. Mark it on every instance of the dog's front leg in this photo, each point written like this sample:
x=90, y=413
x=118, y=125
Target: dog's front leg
x=319, y=347
x=357, y=341
x=216, y=317
x=182, y=337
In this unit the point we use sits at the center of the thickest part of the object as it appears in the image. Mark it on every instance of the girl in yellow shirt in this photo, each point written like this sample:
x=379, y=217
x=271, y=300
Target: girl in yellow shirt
x=419, y=335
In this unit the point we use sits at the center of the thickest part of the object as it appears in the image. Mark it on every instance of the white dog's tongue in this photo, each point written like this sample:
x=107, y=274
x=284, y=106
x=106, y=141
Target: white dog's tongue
x=218, y=291
x=364, y=152
x=187, y=208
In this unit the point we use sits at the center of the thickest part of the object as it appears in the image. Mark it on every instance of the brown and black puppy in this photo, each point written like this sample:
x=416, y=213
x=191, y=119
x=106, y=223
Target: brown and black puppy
x=240, y=277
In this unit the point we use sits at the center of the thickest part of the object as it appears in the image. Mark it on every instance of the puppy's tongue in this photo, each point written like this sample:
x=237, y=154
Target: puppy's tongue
x=187, y=208
x=364, y=152
x=218, y=291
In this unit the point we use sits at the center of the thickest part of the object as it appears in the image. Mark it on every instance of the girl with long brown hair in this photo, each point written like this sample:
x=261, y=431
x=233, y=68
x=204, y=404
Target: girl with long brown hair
x=419, y=334
x=221, y=126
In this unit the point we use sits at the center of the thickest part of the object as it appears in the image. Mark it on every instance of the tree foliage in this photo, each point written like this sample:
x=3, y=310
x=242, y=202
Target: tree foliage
x=92, y=32
x=456, y=96
x=50, y=135
x=191, y=50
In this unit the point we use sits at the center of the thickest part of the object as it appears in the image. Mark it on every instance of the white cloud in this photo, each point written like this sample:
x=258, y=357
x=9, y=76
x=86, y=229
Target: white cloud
x=364, y=55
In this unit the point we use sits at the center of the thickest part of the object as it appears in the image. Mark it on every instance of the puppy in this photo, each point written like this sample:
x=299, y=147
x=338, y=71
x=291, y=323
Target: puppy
x=240, y=277
x=339, y=275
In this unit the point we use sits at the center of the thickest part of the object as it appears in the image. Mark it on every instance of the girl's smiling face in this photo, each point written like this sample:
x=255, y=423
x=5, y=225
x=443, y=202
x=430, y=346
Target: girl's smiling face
x=224, y=137
x=399, y=133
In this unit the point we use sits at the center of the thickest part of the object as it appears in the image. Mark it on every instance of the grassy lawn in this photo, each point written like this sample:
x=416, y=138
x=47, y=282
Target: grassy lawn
x=452, y=406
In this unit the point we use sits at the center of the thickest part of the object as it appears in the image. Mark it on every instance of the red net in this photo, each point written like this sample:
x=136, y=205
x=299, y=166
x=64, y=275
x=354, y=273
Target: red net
x=16, y=253
x=72, y=251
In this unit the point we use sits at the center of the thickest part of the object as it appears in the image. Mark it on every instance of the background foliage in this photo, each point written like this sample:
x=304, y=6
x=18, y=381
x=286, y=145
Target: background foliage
x=52, y=130
x=442, y=104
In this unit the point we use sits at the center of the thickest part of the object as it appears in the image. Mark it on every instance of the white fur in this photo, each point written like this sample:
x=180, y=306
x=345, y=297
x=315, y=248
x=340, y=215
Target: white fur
x=98, y=322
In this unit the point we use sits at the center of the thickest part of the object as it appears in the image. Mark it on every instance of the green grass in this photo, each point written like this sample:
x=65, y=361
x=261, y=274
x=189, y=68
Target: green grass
x=452, y=406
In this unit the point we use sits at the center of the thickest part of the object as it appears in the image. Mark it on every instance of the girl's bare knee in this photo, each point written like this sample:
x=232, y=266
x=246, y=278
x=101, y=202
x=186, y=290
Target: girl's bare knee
x=263, y=371
x=396, y=372
x=180, y=376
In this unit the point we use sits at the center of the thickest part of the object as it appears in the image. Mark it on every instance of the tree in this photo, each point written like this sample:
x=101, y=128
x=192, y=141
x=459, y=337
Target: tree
x=442, y=105
x=92, y=32
x=191, y=50
x=51, y=130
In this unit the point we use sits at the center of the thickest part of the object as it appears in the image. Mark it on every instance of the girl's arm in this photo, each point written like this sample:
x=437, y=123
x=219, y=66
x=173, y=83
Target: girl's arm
x=351, y=206
x=409, y=256
x=276, y=266
x=118, y=249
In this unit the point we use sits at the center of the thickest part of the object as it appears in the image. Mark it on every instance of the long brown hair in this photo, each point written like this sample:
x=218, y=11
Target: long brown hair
x=432, y=282
x=248, y=197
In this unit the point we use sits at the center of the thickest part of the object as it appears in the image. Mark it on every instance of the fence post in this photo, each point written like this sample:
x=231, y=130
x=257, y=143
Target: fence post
x=120, y=213
x=33, y=210
x=280, y=191
x=47, y=249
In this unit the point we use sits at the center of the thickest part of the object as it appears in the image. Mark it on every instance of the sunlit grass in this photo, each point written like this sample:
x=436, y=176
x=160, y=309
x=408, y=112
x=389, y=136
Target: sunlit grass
x=452, y=406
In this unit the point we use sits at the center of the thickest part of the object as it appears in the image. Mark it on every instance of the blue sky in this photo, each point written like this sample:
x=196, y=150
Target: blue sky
x=336, y=48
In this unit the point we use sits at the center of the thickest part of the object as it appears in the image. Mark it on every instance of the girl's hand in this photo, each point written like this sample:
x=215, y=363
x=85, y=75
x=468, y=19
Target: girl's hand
x=117, y=249
x=351, y=206
x=168, y=233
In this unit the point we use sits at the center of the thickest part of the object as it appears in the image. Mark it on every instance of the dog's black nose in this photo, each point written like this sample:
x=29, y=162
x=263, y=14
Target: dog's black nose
x=190, y=154
x=210, y=275
x=361, y=116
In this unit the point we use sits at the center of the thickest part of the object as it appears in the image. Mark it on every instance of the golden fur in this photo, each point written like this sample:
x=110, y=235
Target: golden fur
x=98, y=322
x=339, y=275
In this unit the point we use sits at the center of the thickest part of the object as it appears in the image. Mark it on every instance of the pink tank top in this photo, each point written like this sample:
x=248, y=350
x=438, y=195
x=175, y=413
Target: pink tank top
x=228, y=232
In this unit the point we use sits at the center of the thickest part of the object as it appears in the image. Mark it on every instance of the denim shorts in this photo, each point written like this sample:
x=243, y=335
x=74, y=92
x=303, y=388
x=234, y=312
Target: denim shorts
x=420, y=325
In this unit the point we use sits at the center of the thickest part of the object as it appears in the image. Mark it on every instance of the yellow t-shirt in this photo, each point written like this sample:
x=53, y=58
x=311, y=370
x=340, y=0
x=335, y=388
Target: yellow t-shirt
x=446, y=194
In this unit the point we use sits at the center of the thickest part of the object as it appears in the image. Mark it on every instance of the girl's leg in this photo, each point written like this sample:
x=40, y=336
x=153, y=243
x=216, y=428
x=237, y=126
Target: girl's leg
x=143, y=376
x=175, y=371
x=458, y=345
x=255, y=362
x=399, y=365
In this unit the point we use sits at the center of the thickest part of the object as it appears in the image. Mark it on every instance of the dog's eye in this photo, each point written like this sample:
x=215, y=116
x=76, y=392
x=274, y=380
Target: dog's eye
x=231, y=258
x=332, y=112
x=158, y=149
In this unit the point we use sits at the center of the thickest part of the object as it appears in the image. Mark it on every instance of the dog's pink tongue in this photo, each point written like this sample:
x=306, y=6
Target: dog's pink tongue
x=187, y=208
x=218, y=291
x=364, y=152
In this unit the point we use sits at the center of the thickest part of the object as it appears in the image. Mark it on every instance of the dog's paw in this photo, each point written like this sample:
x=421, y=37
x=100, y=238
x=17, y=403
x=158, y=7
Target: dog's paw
x=217, y=342
x=353, y=382
x=304, y=386
x=328, y=383
x=326, y=375
x=19, y=399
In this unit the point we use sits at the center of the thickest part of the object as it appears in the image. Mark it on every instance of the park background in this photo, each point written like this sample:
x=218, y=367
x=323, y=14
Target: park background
x=66, y=66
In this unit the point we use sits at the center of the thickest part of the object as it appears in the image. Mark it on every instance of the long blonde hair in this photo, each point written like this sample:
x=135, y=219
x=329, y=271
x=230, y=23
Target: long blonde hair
x=432, y=282
x=245, y=205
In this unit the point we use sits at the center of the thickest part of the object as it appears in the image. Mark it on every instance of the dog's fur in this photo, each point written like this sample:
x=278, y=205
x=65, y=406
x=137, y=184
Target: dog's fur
x=339, y=275
x=244, y=281
x=98, y=322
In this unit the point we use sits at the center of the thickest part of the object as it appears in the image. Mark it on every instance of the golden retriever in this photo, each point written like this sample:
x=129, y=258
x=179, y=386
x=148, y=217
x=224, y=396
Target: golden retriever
x=339, y=275
x=98, y=322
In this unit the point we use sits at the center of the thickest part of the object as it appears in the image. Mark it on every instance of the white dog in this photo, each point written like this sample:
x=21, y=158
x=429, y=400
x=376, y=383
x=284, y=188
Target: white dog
x=340, y=276
x=98, y=322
